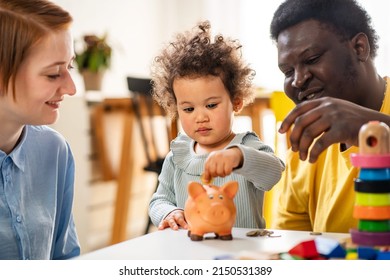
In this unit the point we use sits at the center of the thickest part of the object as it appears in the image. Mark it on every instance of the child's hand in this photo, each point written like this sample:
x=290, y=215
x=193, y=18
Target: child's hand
x=221, y=163
x=174, y=220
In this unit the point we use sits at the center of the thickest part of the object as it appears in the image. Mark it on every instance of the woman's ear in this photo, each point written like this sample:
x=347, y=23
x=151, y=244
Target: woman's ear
x=361, y=46
x=237, y=104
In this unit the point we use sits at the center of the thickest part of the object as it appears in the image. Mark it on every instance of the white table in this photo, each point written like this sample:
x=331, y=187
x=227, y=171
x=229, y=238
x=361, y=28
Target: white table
x=176, y=245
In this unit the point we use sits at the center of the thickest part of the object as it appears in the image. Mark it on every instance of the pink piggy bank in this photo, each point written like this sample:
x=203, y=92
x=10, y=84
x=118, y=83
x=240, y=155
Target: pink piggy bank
x=210, y=209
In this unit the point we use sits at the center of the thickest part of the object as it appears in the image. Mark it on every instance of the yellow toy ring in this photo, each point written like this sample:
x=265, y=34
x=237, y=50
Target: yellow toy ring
x=372, y=199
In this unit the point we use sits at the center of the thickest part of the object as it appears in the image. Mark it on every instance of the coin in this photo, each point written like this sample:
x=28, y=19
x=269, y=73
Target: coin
x=260, y=232
x=253, y=233
x=265, y=232
x=204, y=182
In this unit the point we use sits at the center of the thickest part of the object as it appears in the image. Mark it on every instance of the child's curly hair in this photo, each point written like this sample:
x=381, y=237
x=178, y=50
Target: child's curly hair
x=194, y=54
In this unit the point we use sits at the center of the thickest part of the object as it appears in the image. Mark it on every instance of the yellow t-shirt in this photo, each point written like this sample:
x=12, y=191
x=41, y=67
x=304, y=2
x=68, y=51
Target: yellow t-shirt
x=320, y=196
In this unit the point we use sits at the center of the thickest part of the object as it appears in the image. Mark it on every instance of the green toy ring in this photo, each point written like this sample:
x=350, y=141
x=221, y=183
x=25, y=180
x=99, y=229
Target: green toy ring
x=374, y=226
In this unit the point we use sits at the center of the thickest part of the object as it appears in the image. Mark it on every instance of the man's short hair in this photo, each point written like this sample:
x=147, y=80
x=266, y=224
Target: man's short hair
x=344, y=17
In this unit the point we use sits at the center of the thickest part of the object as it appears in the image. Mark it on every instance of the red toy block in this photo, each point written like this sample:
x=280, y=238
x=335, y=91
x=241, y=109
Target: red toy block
x=305, y=249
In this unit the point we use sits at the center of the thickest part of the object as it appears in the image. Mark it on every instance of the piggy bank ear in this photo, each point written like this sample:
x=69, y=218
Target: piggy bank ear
x=195, y=189
x=230, y=189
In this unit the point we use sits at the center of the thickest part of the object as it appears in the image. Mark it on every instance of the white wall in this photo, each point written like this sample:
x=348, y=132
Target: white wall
x=138, y=28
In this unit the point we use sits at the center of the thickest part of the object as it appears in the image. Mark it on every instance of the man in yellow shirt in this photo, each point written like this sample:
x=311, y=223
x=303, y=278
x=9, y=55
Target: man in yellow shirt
x=326, y=50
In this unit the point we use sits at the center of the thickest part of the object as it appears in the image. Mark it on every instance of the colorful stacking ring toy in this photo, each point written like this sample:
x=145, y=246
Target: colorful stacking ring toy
x=372, y=188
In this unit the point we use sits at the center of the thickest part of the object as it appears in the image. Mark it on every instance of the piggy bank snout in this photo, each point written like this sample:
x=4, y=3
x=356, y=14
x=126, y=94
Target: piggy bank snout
x=218, y=214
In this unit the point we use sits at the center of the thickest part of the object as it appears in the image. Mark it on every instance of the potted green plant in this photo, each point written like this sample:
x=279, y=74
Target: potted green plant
x=93, y=60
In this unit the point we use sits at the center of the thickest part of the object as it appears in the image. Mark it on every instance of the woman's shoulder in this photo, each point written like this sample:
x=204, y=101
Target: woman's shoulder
x=45, y=135
x=44, y=131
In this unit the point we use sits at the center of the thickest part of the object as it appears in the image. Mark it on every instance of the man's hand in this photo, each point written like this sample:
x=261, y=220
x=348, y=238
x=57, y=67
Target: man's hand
x=325, y=121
